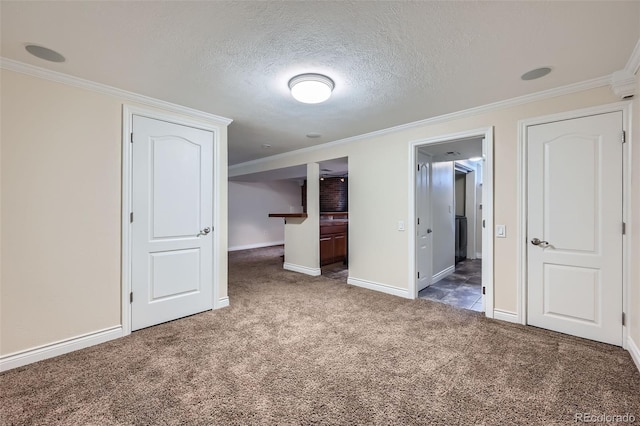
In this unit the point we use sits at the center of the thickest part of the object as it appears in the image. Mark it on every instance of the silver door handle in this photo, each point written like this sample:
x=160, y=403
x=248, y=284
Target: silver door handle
x=537, y=242
x=205, y=231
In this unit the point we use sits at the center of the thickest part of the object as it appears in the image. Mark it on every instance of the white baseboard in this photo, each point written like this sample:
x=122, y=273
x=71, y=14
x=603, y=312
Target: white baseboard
x=505, y=316
x=443, y=274
x=18, y=359
x=223, y=302
x=634, y=351
x=302, y=269
x=383, y=288
x=257, y=245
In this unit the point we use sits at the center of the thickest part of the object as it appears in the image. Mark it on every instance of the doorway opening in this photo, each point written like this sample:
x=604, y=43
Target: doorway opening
x=333, y=215
x=452, y=194
x=334, y=219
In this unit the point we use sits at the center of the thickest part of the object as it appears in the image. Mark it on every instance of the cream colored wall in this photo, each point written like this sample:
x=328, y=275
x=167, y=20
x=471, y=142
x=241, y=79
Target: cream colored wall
x=302, y=236
x=60, y=212
x=222, y=274
x=379, y=180
x=635, y=220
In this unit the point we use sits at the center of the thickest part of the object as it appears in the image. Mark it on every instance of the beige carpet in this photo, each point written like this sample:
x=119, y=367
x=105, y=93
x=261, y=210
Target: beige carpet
x=293, y=349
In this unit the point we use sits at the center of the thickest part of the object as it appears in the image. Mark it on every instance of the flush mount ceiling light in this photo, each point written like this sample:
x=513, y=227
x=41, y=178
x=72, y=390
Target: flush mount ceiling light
x=311, y=88
x=537, y=73
x=44, y=53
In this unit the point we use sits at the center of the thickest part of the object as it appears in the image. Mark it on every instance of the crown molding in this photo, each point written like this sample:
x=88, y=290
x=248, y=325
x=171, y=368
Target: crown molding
x=623, y=84
x=633, y=64
x=520, y=100
x=58, y=77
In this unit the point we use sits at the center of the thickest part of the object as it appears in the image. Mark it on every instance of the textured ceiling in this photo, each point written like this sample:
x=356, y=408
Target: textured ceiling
x=392, y=62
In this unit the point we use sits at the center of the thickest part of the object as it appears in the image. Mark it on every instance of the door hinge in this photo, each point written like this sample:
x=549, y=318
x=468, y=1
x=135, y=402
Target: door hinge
x=624, y=319
x=483, y=223
x=131, y=217
x=418, y=221
x=624, y=228
x=624, y=136
x=131, y=137
x=131, y=297
x=418, y=275
x=484, y=290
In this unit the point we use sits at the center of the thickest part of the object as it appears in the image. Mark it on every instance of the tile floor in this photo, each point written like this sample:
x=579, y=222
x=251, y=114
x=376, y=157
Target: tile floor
x=463, y=288
x=336, y=271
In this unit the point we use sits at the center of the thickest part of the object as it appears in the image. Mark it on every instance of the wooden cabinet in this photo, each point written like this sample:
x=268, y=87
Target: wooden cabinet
x=333, y=242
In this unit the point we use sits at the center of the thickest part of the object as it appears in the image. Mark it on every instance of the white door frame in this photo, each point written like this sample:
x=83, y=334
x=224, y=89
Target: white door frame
x=487, y=209
x=128, y=112
x=625, y=108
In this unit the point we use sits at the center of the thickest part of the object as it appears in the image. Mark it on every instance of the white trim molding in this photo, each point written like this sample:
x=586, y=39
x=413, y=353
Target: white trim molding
x=623, y=84
x=314, y=272
x=61, y=347
x=223, y=302
x=257, y=245
x=633, y=64
x=58, y=77
x=383, y=288
x=521, y=239
x=634, y=351
x=443, y=274
x=506, y=316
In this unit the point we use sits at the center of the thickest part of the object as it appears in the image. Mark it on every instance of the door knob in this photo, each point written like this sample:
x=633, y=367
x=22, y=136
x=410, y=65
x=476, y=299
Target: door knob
x=537, y=242
x=205, y=231
x=429, y=231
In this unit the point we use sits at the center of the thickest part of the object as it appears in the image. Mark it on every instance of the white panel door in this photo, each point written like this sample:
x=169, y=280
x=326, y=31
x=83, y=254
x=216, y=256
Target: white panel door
x=424, y=237
x=172, y=199
x=574, y=227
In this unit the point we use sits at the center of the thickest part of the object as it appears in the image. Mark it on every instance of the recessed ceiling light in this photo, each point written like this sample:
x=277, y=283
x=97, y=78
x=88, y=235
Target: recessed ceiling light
x=537, y=73
x=475, y=158
x=313, y=135
x=266, y=146
x=311, y=88
x=44, y=53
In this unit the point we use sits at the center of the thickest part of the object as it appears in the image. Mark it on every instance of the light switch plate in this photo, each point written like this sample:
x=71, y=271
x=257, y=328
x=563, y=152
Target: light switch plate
x=401, y=225
x=501, y=231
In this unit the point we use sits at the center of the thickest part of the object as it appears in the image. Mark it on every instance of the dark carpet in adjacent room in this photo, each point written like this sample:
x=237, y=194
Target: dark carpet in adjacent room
x=294, y=349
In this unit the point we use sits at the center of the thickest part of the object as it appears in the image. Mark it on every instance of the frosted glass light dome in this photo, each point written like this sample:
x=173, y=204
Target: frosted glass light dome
x=311, y=88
